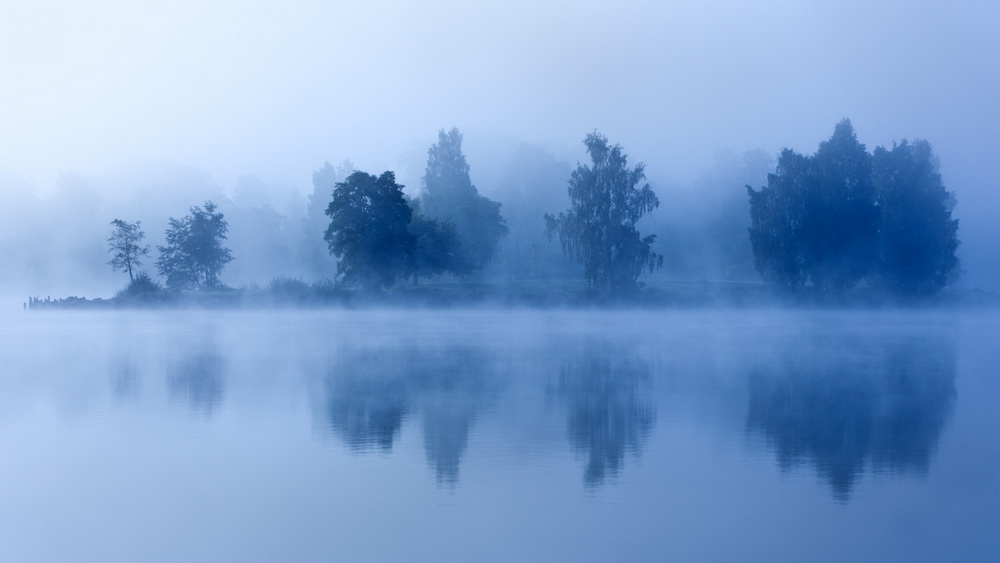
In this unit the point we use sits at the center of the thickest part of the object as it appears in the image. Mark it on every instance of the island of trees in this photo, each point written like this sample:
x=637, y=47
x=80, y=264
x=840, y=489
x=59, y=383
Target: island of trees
x=825, y=225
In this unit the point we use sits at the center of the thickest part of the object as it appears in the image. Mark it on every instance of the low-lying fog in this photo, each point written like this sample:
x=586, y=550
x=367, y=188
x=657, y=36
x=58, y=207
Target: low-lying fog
x=489, y=434
x=462, y=434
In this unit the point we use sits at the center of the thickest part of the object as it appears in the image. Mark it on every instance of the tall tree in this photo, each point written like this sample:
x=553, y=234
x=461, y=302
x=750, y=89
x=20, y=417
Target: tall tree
x=599, y=229
x=126, y=247
x=436, y=247
x=194, y=255
x=369, y=230
x=841, y=215
x=776, y=216
x=315, y=252
x=448, y=195
x=917, y=235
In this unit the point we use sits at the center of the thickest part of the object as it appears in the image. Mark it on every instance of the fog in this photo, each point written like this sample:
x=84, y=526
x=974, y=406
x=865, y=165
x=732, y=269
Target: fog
x=499, y=435
x=139, y=110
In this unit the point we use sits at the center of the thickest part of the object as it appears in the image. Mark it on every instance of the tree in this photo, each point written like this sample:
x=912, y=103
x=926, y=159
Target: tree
x=599, y=230
x=194, y=255
x=840, y=225
x=844, y=215
x=126, y=248
x=369, y=230
x=917, y=235
x=314, y=251
x=448, y=195
x=776, y=222
x=436, y=247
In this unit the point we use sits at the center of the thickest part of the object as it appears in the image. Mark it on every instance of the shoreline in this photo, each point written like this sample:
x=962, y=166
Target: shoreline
x=672, y=295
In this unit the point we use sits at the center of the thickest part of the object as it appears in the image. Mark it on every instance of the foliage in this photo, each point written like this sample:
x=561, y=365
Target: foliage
x=918, y=237
x=437, y=247
x=526, y=184
x=314, y=251
x=844, y=215
x=599, y=229
x=776, y=215
x=194, y=255
x=125, y=246
x=292, y=289
x=369, y=230
x=840, y=227
x=449, y=196
x=142, y=287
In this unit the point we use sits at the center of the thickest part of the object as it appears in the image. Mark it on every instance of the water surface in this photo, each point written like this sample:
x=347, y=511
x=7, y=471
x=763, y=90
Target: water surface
x=499, y=436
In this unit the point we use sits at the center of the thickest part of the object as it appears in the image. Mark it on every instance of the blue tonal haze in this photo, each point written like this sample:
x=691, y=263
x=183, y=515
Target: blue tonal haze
x=500, y=436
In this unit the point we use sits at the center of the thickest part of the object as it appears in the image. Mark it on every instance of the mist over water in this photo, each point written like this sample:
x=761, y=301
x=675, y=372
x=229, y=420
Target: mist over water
x=382, y=434
x=277, y=408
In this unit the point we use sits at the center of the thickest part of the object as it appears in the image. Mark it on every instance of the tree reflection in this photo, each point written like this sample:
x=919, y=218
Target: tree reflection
x=371, y=392
x=124, y=378
x=609, y=411
x=454, y=386
x=851, y=405
x=367, y=400
x=198, y=378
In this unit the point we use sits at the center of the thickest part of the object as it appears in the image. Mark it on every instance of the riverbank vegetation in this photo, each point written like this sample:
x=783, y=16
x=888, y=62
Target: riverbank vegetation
x=841, y=226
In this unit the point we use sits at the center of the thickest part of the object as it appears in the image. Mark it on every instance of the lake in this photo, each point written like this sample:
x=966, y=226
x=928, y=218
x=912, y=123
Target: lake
x=485, y=435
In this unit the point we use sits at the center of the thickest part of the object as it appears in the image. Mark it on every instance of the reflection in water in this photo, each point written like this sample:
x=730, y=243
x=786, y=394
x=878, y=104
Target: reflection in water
x=373, y=391
x=852, y=403
x=609, y=410
x=367, y=402
x=125, y=378
x=198, y=378
x=454, y=385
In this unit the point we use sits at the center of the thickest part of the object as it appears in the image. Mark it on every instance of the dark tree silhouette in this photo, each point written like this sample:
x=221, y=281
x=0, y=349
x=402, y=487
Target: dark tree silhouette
x=777, y=215
x=917, y=235
x=126, y=247
x=843, y=215
x=369, y=230
x=437, y=247
x=449, y=196
x=840, y=224
x=194, y=255
x=599, y=230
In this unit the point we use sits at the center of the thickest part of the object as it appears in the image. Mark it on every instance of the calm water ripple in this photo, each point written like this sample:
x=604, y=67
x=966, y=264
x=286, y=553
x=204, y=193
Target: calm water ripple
x=499, y=436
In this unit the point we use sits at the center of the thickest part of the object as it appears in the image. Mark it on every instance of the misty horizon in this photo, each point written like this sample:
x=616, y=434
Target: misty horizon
x=202, y=100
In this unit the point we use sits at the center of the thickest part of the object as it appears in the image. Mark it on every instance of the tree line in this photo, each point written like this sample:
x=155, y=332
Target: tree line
x=844, y=216
x=829, y=221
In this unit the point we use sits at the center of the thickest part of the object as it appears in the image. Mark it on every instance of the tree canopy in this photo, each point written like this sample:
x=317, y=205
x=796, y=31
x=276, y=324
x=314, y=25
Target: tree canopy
x=126, y=247
x=448, y=195
x=314, y=252
x=369, y=230
x=194, y=255
x=918, y=238
x=844, y=215
x=599, y=229
x=437, y=247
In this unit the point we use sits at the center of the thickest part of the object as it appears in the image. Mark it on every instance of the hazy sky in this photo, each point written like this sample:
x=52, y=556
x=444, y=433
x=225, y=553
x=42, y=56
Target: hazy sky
x=276, y=88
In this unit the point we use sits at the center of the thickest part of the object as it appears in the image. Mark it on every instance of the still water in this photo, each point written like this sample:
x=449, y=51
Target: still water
x=500, y=436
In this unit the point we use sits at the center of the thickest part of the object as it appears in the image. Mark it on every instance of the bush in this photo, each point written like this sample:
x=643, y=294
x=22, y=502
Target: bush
x=289, y=288
x=143, y=287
